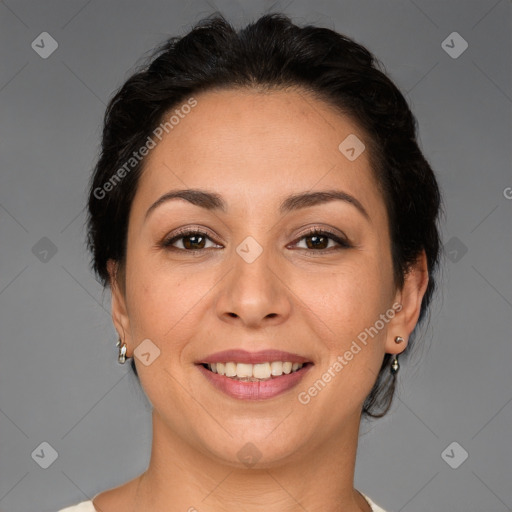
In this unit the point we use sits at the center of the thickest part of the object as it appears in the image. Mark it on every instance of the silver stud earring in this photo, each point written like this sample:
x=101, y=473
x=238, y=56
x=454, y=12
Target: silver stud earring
x=398, y=339
x=122, y=351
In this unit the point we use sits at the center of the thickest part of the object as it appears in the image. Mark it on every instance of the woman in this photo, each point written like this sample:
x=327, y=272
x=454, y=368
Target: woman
x=267, y=225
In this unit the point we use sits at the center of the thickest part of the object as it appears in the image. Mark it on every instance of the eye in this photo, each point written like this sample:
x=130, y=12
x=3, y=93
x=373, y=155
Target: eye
x=191, y=240
x=194, y=240
x=319, y=240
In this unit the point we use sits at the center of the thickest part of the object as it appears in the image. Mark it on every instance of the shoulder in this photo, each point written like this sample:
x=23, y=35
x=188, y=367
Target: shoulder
x=84, y=506
x=375, y=507
x=117, y=498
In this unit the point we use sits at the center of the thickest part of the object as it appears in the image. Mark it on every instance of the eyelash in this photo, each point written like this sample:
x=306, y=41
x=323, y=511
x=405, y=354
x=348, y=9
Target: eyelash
x=342, y=243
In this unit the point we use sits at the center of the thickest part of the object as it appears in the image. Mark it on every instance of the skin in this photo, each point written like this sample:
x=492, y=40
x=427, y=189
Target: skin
x=255, y=149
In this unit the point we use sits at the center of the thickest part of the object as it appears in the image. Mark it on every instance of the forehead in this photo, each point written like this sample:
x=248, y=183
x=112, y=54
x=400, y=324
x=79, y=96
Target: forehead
x=258, y=147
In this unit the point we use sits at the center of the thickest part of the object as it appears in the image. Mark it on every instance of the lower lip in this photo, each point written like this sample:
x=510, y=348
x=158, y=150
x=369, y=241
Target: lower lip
x=255, y=390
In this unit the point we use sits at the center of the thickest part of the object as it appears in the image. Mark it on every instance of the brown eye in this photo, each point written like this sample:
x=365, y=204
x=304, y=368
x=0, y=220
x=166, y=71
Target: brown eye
x=318, y=240
x=194, y=241
x=191, y=240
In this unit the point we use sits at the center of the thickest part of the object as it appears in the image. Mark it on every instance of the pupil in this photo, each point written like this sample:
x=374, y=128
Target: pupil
x=192, y=237
x=316, y=237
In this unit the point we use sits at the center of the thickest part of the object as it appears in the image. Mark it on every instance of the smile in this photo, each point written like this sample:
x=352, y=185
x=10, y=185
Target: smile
x=244, y=387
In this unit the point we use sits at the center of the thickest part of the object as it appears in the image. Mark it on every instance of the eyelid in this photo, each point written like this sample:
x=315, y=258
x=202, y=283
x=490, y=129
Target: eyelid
x=323, y=229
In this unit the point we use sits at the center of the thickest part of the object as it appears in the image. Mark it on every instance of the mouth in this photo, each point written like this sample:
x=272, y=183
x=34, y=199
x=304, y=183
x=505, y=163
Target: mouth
x=259, y=375
x=254, y=375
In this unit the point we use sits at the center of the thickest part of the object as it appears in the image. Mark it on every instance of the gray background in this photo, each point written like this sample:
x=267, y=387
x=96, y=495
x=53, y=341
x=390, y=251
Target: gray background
x=60, y=382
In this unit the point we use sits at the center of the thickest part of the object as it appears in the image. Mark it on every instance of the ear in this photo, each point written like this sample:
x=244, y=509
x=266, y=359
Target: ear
x=410, y=297
x=119, y=310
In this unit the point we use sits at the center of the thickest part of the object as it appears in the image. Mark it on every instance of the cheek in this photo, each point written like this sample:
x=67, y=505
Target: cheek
x=163, y=300
x=346, y=301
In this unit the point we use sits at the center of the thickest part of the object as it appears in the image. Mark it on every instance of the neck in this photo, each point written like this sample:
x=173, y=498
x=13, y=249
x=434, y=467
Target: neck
x=320, y=479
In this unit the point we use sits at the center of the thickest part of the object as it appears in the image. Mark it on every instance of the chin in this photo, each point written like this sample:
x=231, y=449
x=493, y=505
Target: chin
x=258, y=451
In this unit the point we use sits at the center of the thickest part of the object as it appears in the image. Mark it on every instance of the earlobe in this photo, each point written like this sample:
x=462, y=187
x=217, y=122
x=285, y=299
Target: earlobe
x=410, y=297
x=119, y=311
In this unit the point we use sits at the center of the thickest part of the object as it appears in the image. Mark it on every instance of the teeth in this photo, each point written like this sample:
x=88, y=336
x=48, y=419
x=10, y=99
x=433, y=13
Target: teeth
x=252, y=372
x=230, y=369
x=276, y=368
x=261, y=371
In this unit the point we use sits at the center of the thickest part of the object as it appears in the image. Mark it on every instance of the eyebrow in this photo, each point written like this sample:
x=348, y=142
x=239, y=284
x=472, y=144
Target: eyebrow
x=215, y=202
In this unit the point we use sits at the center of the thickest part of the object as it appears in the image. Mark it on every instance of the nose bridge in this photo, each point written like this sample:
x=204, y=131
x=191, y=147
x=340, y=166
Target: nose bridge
x=253, y=293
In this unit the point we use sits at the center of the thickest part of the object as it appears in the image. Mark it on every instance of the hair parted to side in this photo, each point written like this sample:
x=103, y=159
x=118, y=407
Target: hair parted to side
x=268, y=54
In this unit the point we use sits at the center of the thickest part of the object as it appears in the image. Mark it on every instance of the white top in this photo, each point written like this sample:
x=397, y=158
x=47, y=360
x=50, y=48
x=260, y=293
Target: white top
x=87, y=506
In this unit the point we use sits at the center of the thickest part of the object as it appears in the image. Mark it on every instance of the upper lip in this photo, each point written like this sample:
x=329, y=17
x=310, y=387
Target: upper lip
x=243, y=356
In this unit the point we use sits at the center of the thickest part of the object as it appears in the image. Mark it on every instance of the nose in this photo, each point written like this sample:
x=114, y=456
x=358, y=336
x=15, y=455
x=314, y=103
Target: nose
x=254, y=294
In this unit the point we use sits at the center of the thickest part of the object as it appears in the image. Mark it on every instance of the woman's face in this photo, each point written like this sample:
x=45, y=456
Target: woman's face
x=256, y=280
